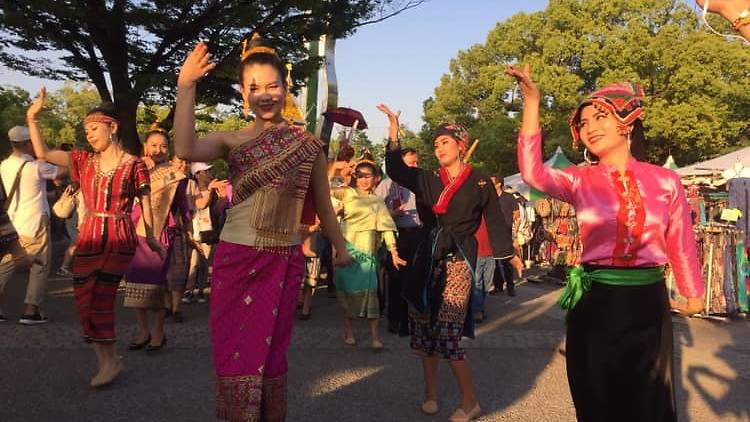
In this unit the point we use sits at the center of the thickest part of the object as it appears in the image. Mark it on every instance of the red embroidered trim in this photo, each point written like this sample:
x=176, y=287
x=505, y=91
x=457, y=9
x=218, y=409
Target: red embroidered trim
x=631, y=219
x=451, y=187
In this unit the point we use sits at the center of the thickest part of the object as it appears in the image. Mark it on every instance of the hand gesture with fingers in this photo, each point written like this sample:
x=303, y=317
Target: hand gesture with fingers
x=196, y=66
x=37, y=106
x=529, y=90
x=392, y=119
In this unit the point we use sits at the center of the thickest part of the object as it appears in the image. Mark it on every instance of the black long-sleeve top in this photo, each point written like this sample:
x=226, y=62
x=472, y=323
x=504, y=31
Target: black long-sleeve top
x=475, y=198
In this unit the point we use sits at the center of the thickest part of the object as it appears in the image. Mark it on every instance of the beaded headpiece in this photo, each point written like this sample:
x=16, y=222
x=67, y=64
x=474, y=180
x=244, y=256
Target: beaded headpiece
x=623, y=100
x=99, y=118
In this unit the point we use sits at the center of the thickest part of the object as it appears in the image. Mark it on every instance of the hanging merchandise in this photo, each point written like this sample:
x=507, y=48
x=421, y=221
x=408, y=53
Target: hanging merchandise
x=721, y=253
x=739, y=198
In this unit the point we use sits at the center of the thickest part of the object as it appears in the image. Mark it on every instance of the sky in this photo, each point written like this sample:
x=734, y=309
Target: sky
x=398, y=62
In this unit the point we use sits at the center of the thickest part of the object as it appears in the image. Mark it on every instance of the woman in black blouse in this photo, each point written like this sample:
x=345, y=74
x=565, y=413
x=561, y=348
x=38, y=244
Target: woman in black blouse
x=451, y=201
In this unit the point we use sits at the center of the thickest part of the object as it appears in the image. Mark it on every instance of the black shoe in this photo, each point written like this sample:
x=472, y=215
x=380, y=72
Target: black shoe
x=35, y=319
x=177, y=317
x=2, y=318
x=153, y=349
x=511, y=292
x=139, y=346
x=393, y=328
x=305, y=317
x=496, y=292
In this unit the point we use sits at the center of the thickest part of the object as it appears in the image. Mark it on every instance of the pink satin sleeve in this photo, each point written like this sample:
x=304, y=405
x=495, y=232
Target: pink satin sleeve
x=681, y=248
x=559, y=184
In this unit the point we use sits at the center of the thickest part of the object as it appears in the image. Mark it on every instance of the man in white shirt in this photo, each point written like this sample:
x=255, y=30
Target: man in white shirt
x=29, y=212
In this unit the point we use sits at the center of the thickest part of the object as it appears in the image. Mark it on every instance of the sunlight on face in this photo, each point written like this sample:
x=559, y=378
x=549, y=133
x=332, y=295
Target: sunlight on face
x=99, y=135
x=264, y=91
x=600, y=132
x=156, y=148
x=447, y=150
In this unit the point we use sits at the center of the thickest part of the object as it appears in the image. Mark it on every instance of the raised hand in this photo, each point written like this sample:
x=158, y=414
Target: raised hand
x=37, y=106
x=392, y=119
x=529, y=90
x=196, y=66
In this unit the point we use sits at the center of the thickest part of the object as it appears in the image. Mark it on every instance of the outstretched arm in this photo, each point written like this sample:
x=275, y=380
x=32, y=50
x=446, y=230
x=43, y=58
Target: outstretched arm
x=398, y=171
x=324, y=209
x=186, y=146
x=41, y=149
x=558, y=184
x=731, y=10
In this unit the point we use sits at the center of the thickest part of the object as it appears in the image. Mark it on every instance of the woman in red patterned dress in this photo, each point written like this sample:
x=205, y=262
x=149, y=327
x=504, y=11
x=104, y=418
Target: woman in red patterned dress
x=110, y=180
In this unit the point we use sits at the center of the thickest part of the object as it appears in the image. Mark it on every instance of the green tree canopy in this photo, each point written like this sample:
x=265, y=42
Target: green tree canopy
x=135, y=47
x=698, y=101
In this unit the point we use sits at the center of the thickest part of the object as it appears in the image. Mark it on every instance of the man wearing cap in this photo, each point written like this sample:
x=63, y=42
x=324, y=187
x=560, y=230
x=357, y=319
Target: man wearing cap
x=24, y=180
x=211, y=196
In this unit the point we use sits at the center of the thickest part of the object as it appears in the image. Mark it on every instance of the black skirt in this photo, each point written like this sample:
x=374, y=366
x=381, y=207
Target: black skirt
x=620, y=358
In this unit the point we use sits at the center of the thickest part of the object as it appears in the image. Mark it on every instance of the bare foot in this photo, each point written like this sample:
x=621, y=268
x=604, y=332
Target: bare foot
x=107, y=374
x=377, y=345
x=350, y=341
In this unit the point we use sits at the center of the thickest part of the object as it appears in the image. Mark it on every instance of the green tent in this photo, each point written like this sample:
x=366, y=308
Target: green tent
x=557, y=161
x=670, y=164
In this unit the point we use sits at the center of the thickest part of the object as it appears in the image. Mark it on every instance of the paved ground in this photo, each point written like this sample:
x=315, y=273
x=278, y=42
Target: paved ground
x=518, y=371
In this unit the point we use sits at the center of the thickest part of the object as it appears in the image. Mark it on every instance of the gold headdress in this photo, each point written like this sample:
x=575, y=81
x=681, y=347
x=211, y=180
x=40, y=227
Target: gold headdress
x=248, y=50
x=156, y=128
x=367, y=158
x=291, y=111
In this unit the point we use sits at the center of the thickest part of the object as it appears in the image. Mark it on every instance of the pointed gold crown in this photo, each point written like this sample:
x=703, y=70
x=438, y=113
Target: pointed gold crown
x=248, y=51
x=156, y=127
x=367, y=158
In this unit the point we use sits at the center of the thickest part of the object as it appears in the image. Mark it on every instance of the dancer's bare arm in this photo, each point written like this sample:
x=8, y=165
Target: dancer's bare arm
x=41, y=149
x=186, y=145
x=729, y=10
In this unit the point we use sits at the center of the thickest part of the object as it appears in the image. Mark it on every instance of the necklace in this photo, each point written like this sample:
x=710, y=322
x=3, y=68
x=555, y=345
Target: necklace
x=111, y=171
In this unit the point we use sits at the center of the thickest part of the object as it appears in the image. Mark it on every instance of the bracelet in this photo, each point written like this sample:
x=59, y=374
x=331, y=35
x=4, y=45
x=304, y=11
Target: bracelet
x=742, y=20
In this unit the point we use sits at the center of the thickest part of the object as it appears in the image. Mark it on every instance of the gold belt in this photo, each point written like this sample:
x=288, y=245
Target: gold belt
x=108, y=215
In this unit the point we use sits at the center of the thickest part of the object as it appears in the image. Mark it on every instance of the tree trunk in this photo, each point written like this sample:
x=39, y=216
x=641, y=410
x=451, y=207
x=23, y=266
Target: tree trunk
x=127, y=110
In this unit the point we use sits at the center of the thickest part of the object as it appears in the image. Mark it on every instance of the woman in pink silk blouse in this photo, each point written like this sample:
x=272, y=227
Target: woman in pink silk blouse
x=633, y=220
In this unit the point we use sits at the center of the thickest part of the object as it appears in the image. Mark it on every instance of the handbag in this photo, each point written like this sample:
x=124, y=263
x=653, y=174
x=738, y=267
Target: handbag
x=7, y=231
x=209, y=237
x=65, y=205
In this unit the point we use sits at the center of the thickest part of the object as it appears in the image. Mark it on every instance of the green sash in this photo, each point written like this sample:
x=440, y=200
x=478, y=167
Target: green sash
x=579, y=281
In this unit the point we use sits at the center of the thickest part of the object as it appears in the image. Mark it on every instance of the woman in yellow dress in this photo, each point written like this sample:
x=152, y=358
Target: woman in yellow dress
x=365, y=224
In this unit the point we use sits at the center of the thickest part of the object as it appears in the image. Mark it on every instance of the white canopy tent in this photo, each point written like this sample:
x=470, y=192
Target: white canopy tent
x=737, y=159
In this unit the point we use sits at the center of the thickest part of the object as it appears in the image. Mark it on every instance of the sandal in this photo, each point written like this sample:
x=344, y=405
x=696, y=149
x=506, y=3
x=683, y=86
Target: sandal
x=350, y=341
x=138, y=346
